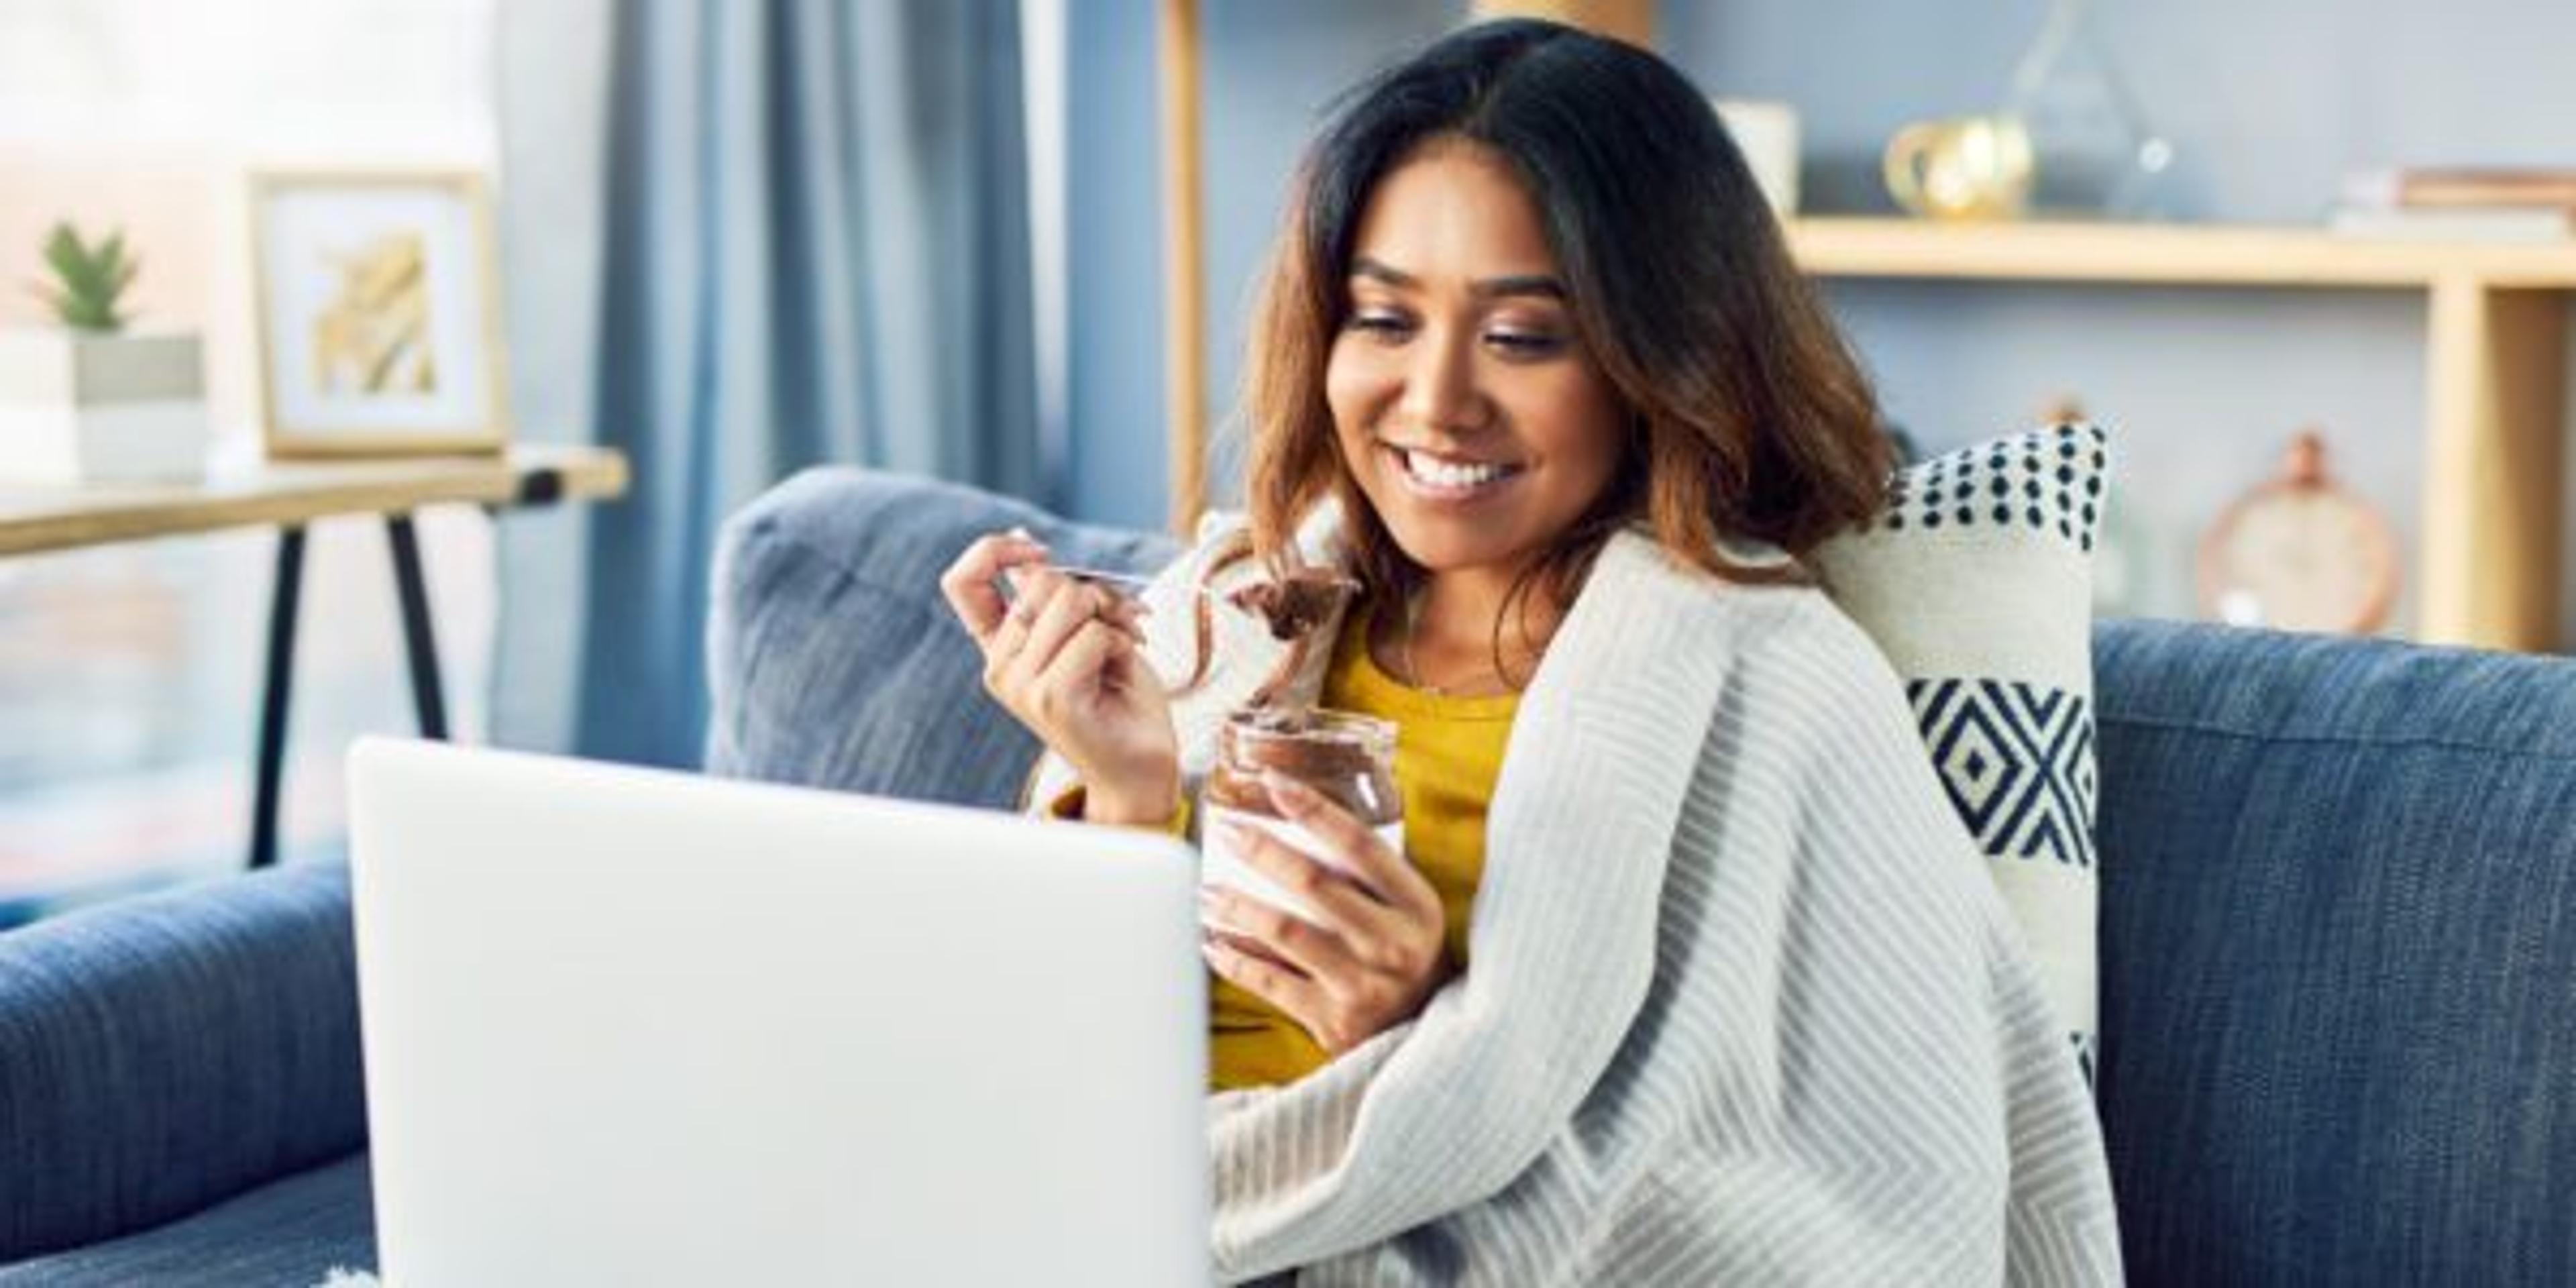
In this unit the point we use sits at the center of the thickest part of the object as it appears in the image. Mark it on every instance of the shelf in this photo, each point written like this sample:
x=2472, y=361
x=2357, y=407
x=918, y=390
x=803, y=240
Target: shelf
x=2168, y=254
x=2495, y=377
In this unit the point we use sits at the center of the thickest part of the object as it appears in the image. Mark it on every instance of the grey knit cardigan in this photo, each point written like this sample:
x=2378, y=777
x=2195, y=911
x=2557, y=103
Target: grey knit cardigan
x=1742, y=1005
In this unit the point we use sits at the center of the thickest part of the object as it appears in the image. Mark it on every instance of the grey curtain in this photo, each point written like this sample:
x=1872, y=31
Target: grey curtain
x=811, y=232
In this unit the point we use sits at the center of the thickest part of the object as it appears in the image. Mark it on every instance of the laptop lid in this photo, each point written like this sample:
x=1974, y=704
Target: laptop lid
x=629, y=1026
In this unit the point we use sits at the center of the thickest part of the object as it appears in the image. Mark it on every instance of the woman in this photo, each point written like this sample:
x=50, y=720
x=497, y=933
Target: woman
x=1690, y=975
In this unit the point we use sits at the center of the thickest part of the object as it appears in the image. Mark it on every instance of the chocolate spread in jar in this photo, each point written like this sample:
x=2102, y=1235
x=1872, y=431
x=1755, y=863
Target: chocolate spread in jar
x=1346, y=757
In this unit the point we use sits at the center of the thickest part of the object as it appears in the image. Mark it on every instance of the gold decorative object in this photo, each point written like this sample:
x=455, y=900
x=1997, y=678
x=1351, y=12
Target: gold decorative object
x=1962, y=167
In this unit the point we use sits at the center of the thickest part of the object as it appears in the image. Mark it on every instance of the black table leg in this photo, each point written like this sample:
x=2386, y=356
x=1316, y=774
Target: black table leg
x=283, y=594
x=428, y=698
x=426, y=695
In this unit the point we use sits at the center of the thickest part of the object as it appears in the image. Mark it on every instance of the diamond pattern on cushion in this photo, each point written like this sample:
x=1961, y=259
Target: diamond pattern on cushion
x=1976, y=582
x=2016, y=759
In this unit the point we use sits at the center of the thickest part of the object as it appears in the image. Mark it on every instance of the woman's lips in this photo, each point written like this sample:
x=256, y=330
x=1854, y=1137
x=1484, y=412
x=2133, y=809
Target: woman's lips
x=1448, y=491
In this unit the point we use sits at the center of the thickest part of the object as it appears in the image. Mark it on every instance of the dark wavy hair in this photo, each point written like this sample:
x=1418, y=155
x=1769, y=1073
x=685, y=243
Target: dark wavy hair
x=1747, y=414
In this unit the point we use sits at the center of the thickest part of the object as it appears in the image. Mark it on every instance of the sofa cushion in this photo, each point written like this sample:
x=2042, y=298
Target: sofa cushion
x=827, y=595
x=163, y=1053
x=2338, y=958
x=291, y=1232
x=1977, y=585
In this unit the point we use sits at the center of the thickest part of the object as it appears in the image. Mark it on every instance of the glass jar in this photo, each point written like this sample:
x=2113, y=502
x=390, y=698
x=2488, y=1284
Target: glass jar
x=1346, y=757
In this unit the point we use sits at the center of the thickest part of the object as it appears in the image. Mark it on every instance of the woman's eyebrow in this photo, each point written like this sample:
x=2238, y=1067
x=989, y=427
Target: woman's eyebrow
x=1489, y=288
x=1377, y=271
x=1528, y=284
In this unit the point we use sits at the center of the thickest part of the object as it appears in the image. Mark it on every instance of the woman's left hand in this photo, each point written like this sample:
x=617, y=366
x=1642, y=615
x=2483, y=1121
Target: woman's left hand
x=1375, y=958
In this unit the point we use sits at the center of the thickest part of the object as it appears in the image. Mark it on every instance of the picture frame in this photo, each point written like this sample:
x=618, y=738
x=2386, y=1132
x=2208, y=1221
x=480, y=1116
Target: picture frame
x=379, y=314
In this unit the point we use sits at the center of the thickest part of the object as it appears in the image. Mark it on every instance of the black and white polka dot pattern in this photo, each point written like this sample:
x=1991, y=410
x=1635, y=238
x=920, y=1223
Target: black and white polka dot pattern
x=2048, y=480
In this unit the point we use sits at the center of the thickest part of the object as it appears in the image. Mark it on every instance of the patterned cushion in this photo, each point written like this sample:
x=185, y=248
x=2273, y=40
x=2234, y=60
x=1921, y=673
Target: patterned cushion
x=1977, y=584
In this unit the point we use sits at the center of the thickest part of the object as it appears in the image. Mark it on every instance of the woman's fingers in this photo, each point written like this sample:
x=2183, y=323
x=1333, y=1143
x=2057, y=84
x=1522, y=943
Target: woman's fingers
x=1003, y=646
x=1128, y=615
x=1315, y=951
x=1032, y=589
x=1085, y=657
x=968, y=582
x=1369, y=966
x=1270, y=981
x=1374, y=865
x=1334, y=896
x=1062, y=608
x=1019, y=559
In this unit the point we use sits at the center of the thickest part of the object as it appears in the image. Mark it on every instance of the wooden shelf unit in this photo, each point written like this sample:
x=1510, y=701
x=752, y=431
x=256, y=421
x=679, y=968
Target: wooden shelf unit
x=2495, y=378
x=2165, y=254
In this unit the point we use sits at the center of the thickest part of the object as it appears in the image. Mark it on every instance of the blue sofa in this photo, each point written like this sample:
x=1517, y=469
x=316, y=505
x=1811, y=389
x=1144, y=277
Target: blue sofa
x=2338, y=941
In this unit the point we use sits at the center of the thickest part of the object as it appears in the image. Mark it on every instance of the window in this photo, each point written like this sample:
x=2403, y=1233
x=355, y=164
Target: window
x=130, y=675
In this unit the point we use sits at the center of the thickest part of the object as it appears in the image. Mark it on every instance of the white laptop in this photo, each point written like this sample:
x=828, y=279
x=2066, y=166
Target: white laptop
x=635, y=1027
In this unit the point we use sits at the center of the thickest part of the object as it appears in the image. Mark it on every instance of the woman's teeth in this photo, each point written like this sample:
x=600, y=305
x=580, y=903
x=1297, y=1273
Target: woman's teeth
x=1443, y=474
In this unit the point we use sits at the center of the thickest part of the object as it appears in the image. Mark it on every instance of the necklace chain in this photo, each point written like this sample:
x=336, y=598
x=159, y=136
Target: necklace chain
x=1412, y=670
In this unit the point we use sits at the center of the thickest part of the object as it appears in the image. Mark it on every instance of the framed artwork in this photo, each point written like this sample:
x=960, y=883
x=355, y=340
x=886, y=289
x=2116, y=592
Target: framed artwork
x=379, y=314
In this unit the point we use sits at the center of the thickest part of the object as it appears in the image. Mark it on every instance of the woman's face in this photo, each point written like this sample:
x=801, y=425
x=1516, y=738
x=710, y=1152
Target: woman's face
x=1467, y=408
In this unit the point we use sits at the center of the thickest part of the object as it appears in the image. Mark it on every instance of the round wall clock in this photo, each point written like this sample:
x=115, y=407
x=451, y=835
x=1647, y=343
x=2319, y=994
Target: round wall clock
x=2300, y=552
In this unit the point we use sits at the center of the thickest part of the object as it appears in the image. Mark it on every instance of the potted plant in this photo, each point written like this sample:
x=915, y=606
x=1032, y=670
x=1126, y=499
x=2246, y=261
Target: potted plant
x=87, y=402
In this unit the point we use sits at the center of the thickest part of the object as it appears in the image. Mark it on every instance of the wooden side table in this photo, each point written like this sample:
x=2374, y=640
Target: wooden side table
x=289, y=496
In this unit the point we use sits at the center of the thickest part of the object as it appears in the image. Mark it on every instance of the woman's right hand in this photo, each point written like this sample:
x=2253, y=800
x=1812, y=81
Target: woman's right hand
x=1064, y=659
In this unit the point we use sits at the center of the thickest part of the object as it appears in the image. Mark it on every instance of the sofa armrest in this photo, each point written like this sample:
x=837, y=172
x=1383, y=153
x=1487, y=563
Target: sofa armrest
x=163, y=1053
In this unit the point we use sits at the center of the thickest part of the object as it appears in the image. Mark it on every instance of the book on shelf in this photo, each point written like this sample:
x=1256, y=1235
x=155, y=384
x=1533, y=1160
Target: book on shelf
x=2461, y=188
x=2514, y=224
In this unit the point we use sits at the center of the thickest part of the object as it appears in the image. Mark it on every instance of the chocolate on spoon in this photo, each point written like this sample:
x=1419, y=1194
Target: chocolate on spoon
x=1295, y=605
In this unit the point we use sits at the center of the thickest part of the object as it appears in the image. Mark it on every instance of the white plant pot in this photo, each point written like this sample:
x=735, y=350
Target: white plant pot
x=77, y=407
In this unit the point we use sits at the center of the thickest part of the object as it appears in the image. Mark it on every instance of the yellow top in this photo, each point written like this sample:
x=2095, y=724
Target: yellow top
x=1447, y=754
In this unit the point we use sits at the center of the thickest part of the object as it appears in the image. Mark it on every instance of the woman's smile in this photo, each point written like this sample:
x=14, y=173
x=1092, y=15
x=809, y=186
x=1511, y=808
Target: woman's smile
x=1443, y=480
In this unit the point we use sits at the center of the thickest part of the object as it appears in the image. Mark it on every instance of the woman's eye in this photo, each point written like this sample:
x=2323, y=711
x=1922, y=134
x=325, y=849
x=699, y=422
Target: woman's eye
x=1382, y=325
x=1525, y=344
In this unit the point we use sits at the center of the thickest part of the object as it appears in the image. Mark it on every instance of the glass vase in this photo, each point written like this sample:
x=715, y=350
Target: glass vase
x=2096, y=154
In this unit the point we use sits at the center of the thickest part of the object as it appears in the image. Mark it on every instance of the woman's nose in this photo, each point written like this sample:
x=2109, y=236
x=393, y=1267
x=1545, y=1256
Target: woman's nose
x=1440, y=384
